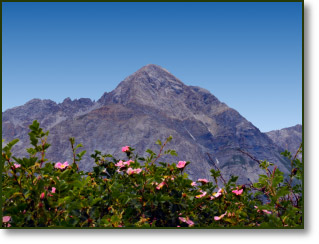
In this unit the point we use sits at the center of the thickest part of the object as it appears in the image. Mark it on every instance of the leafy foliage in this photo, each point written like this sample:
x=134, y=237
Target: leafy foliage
x=140, y=193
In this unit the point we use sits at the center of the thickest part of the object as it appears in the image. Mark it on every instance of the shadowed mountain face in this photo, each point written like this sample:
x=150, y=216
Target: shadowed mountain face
x=150, y=104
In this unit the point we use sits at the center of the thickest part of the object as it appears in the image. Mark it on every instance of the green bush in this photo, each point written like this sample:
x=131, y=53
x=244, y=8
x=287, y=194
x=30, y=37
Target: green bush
x=140, y=192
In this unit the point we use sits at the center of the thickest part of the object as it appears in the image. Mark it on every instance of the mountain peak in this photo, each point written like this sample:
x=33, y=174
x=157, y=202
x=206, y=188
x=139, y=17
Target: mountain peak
x=152, y=68
x=149, y=105
x=155, y=74
x=146, y=85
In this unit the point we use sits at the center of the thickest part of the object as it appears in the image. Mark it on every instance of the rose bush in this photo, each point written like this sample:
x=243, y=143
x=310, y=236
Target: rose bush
x=140, y=192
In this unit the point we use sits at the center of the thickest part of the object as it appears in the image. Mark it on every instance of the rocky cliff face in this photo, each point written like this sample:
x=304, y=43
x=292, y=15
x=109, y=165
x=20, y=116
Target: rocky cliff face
x=150, y=104
x=288, y=138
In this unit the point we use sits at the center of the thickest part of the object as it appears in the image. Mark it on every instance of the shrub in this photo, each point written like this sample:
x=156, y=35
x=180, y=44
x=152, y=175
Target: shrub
x=140, y=192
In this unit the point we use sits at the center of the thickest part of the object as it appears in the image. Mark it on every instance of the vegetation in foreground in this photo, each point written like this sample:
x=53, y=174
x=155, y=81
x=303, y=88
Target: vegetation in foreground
x=140, y=192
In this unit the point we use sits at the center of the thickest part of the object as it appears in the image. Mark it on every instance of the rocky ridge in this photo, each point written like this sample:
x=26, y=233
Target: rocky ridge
x=148, y=105
x=288, y=138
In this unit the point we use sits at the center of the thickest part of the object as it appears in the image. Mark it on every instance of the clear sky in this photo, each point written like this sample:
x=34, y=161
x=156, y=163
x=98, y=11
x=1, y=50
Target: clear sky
x=249, y=55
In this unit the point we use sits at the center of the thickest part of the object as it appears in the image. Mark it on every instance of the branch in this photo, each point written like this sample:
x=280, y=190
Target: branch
x=253, y=158
x=159, y=154
x=216, y=167
x=247, y=154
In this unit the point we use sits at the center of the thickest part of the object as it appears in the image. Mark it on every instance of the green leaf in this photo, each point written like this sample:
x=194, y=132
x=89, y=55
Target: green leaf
x=173, y=153
x=150, y=152
x=8, y=147
x=79, y=145
x=35, y=125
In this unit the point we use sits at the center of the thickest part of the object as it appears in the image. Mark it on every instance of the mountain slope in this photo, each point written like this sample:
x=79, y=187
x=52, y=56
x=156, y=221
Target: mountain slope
x=288, y=138
x=148, y=105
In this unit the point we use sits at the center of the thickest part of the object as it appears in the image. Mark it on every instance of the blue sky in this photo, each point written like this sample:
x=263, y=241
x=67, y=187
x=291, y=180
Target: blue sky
x=249, y=55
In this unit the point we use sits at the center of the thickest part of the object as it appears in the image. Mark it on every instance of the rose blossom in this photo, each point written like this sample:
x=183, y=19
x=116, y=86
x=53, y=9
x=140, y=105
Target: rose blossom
x=131, y=171
x=238, y=192
x=6, y=219
x=193, y=183
x=215, y=195
x=187, y=221
x=203, y=181
x=182, y=219
x=266, y=211
x=181, y=164
x=128, y=162
x=216, y=218
x=59, y=165
x=125, y=149
x=160, y=185
x=119, y=164
x=202, y=195
x=190, y=223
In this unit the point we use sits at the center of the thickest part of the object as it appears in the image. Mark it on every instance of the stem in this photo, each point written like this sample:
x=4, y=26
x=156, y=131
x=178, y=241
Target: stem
x=297, y=152
x=159, y=154
x=292, y=166
x=43, y=151
x=216, y=167
x=15, y=177
x=256, y=160
x=73, y=150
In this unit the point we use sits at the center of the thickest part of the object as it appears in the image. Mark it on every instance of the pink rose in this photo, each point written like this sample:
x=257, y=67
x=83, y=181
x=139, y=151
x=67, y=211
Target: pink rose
x=238, y=192
x=216, y=195
x=266, y=211
x=6, y=219
x=181, y=164
x=122, y=164
x=190, y=223
x=125, y=149
x=182, y=219
x=42, y=196
x=160, y=185
x=193, y=183
x=61, y=166
x=17, y=165
x=187, y=221
x=64, y=165
x=119, y=164
x=57, y=165
x=201, y=195
x=216, y=218
x=203, y=181
x=53, y=189
x=130, y=171
x=128, y=162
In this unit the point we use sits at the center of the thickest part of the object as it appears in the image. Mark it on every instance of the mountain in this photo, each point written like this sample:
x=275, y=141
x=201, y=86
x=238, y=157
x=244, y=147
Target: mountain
x=288, y=138
x=148, y=105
